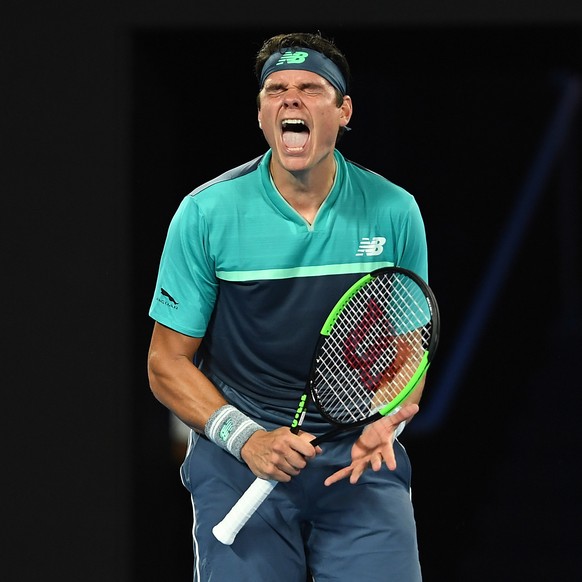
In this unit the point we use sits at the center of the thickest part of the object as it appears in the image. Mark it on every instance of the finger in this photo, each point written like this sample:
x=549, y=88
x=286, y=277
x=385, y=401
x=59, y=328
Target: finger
x=297, y=459
x=376, y=462
x=391, y=463
x=294, y=464
x=275, y=474
x=338, y=476
x=389, y=457
x=304, y=447
x=358, y=472
x=405, y=413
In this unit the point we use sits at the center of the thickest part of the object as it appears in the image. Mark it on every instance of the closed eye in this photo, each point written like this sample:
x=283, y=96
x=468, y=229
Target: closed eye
x=274, y=88
x=309, y=88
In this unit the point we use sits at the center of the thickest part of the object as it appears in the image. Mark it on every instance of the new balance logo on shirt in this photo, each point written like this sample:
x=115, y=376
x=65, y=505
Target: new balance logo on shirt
x=371, y=247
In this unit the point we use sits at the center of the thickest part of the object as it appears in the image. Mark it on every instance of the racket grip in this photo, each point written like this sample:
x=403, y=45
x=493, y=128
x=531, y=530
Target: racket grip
x=243, y=509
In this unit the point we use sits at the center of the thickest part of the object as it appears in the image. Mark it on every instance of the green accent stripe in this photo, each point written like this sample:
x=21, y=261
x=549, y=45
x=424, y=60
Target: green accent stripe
x=420, y=372
x=315, y=271
x=344, y=299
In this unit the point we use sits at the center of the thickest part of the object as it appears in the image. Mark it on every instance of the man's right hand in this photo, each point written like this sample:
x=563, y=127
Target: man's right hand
x=278, y=454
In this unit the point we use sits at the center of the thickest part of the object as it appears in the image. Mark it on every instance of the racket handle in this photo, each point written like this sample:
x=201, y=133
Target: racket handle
x=243, y=509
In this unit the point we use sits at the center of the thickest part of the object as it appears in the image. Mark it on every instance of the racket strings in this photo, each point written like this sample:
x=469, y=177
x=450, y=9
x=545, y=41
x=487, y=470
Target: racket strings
x=373, y=350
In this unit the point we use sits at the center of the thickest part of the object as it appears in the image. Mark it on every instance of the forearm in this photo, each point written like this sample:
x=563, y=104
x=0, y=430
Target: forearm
x=182, y=388
x=416, y=395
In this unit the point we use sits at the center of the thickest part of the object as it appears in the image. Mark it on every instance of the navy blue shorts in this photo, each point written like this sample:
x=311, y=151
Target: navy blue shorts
x=364, y=532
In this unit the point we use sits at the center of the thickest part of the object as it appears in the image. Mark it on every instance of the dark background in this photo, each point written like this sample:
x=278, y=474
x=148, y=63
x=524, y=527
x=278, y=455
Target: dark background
x=113, y=111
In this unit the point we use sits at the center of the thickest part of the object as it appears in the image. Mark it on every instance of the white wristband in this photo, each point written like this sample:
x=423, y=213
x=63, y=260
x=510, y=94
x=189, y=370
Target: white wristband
x=230, y=429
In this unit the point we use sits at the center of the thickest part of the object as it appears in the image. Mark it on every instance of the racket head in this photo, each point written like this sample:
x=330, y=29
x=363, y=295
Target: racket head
x=374, y=348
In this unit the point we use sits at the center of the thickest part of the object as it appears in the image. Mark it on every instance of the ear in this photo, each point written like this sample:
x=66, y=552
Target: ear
x=346, y=110
x=259, y=119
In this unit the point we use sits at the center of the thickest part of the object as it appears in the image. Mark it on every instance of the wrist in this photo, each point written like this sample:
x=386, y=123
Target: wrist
x=230, y=429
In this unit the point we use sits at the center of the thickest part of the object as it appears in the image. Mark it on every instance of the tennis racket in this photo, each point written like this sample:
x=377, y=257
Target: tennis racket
x=373, y=350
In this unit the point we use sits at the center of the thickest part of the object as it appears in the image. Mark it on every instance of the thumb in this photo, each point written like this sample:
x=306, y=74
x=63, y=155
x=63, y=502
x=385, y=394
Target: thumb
x=406, y=412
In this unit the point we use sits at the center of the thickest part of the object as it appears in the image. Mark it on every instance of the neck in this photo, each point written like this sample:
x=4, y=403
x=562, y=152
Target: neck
x=305, y=190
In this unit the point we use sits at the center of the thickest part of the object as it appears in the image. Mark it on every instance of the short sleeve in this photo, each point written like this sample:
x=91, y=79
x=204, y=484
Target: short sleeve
x=186, y=285
x=412, y=246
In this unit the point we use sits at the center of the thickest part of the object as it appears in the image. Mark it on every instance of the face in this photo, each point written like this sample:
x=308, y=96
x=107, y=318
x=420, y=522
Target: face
x=300, y=119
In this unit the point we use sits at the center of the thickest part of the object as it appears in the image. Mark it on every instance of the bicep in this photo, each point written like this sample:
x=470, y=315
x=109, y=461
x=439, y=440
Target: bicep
x=168, y=345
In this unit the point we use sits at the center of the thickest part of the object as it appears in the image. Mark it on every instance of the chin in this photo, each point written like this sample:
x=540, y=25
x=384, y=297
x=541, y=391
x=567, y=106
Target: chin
x=295, y=161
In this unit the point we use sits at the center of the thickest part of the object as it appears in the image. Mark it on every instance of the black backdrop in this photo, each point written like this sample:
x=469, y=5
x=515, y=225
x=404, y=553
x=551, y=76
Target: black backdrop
x=112, y=113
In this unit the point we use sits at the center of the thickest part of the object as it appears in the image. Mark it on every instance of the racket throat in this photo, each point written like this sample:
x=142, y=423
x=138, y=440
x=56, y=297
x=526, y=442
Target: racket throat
x=299, y=414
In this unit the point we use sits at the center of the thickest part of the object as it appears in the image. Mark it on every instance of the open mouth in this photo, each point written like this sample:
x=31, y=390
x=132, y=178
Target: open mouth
x=295, y=133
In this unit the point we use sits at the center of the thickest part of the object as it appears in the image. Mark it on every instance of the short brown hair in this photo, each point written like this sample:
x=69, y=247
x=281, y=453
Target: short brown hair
x=308, y=40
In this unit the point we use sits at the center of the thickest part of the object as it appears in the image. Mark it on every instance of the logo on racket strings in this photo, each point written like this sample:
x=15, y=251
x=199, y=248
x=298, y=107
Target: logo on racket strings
x=377, y=357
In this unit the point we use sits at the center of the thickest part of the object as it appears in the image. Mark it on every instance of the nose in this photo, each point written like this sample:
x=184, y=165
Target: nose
x=292, y=99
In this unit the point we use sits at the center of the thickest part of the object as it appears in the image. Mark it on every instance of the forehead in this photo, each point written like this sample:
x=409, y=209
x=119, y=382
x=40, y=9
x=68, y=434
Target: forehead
x=296, y=77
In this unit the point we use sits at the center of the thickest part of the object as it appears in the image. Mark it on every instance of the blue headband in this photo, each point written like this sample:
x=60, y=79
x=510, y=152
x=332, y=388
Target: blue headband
x=299, y=58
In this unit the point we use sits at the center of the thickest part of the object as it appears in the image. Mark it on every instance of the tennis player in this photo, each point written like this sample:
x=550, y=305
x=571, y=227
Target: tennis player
x=253, y=262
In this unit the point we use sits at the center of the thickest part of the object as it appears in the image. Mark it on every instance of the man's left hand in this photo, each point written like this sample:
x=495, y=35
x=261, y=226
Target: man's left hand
x=374, y=446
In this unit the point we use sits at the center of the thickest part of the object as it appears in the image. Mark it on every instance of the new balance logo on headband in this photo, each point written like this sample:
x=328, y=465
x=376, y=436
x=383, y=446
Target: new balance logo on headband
x=293, y=58
x=305, y=59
